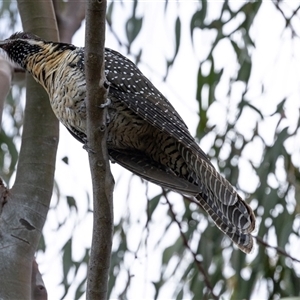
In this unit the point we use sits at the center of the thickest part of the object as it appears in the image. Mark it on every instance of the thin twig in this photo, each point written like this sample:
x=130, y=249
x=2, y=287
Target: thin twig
x=278, y=249
x=293, y=14
x=186, y=244
x=259, y=239
x=123, y=293
x=114, y=33
x=287, y=20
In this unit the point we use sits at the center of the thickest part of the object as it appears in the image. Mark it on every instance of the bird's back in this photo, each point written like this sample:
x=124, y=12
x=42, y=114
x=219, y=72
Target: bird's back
x=145, y=134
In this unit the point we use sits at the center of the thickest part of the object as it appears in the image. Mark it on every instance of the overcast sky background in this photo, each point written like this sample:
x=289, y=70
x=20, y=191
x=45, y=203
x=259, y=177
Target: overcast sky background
x=276, y=63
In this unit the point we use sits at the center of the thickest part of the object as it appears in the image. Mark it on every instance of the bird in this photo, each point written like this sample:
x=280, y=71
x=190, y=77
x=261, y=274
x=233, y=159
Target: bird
x=145, y=134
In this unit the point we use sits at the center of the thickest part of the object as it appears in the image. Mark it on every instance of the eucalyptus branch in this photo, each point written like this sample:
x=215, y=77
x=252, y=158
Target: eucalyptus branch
x=97, y=282
x=114, y=33
x=122, y=295
x=278, y=249
x=186, y=244
x=287, y=20
x=261, y=241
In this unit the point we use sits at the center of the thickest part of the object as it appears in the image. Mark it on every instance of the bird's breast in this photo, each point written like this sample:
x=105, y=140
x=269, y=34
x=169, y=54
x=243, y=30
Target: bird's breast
x=67, y=99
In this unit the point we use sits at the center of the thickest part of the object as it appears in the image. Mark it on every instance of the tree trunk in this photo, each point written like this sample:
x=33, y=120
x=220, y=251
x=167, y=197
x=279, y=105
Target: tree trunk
x=25, y=206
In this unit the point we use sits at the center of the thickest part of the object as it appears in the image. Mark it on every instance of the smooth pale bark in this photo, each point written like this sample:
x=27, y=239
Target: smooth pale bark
x=6, y=73
x=24, y=208
x=69, y=16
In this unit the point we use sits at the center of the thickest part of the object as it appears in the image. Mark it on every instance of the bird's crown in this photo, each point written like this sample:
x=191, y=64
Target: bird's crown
x=20, y=45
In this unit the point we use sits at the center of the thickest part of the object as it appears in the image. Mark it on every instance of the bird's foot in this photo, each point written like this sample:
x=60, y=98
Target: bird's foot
x=106, y=84
x=88, y=149
x=107, y=103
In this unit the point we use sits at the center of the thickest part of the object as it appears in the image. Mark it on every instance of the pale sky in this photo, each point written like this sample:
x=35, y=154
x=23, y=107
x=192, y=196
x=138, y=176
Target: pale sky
x=276, y=63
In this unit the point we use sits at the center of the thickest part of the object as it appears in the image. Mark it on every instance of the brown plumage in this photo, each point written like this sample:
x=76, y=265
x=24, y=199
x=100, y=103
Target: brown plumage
x=145, y=133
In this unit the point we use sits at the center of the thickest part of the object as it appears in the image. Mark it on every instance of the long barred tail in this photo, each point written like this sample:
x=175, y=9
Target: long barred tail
x=241, y=237
x=220, y=200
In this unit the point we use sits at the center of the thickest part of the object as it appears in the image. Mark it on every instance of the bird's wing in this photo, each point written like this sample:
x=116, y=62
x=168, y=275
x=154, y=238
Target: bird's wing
x=152, y=171
x=236, y=225
x=78, y=135
x=133, y=89
x=129, y=86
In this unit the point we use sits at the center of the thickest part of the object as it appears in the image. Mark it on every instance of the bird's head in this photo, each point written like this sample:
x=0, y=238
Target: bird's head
x=20, y=46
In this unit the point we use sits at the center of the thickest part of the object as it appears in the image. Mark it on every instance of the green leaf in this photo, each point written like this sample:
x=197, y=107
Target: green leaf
x=197, y=20
x=177, y=44
x=67, y=264
x=80, y=289
x=71, y=202
x=196, y=283
x=245, y=71
x=174, y=250
x=7, y=142
x=65, y=159
x=42, y=245
x=133, y=27
x=67, y=257
x=284, y=230
x=109, y=13
x=153, y=204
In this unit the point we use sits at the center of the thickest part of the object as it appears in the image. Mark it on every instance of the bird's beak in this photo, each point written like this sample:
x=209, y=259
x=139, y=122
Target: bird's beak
x=4, y=44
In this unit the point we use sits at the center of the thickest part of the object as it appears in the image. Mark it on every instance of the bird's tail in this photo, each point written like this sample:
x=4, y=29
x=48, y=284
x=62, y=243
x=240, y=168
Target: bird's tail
x=220, y=200
x=241, y=237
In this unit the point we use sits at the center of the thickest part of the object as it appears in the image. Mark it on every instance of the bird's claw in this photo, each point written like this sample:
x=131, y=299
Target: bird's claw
x=88, y=149
x=106, y=84
x=107, y=103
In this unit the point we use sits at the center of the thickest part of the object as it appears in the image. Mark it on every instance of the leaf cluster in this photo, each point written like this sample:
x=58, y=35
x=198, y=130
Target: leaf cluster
x=269, y=178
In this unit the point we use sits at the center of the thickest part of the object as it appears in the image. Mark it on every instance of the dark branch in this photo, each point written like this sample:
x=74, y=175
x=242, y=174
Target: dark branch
x=287, y=20
x=99, y=164
x=260, y=240
x=278, y=249
x=186, y=244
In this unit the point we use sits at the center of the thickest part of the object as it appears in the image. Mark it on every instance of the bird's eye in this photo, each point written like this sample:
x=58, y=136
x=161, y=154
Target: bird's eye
x=72, y=65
